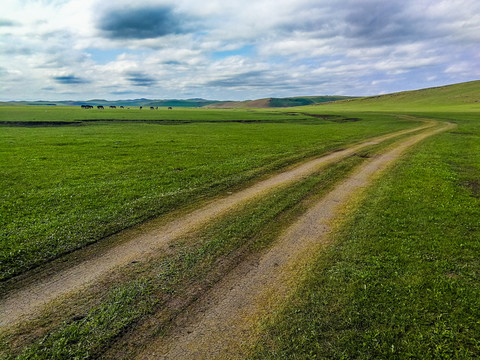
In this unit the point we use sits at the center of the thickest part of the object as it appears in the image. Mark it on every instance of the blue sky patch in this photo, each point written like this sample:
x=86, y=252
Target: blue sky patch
x=103, y=57
x=245, y=51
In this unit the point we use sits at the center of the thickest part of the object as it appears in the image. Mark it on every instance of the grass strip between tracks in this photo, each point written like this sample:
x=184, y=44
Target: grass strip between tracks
x=401, y=278
x=201, y=259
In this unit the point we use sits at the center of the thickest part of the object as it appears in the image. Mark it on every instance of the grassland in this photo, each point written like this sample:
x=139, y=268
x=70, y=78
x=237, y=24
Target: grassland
x=196, y=263
x=399, y=281
x=63, y=187
x=459, y=98
x=67, y=114
x=181, y=276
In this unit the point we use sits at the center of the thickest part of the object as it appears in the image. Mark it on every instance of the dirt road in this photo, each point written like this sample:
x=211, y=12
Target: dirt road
x=223, y=322
x=24, y=302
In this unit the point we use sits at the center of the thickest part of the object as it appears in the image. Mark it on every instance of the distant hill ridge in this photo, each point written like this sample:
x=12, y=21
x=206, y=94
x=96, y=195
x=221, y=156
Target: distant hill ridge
x=447, y=95
x=260, y=103
x=132, y=102
x=278, y=102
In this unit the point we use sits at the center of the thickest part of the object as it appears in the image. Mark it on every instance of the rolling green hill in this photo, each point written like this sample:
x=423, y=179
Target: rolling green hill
x=456, y=97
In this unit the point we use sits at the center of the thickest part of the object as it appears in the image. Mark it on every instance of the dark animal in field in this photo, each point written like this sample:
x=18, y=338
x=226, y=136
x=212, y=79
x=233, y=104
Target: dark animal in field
x=100, y=107
x=170, y=108
x=156, y=108
x=152, y=108
x=87, y=107
x=121, y=107
x=141, y=107
x=112, y=107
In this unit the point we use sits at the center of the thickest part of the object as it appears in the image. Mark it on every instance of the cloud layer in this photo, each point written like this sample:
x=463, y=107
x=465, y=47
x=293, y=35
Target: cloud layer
x=234, y=50
x=69, y=80
x=142, y=22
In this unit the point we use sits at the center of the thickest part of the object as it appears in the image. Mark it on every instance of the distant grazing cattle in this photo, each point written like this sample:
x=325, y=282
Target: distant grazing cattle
x=100, y=107
x=170, y=108
x=87, y=107
x=121, y=107
x=141, y=107
x=156, y=107
x=112, y=107
x=152, y=108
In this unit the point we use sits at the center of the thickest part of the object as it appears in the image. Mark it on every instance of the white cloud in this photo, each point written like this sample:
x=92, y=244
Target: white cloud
x=234, y=49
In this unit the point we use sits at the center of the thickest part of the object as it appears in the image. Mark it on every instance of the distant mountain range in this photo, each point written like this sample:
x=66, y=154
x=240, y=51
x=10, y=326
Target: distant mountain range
x=133, y=102
x=261, y=103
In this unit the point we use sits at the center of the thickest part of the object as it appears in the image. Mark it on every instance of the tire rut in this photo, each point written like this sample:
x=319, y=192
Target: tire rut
x=24, y=302
x=223, y=322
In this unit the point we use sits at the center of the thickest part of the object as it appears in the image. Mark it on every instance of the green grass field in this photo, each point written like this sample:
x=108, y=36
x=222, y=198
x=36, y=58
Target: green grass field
x=193, y=264
x=75, y=113
x=63, y=187
x=401, y=278
x=399, y=281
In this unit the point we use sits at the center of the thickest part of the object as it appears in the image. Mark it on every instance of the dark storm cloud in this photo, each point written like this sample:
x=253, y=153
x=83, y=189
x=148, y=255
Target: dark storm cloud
x=70, y=80
x=145, y=22
x=140, y=79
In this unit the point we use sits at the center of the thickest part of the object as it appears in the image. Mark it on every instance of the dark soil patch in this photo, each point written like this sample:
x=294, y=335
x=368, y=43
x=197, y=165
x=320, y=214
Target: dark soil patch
x=334, y=118
x=461, y=133
x=323, y=116
x=80, y=122
x=344, y=120
x=175, y=122
x=143, y=121
x=474, y=186
x=40, y=123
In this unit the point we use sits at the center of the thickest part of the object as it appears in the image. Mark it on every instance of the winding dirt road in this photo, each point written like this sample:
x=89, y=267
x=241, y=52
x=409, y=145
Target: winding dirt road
x=223, y=322
x=25, y=301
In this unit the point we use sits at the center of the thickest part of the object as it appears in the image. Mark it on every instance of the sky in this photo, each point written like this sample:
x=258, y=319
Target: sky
x=233, y=49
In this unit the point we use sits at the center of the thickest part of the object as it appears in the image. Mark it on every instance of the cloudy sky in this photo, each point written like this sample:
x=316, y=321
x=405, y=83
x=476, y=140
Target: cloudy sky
x=233, y=49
